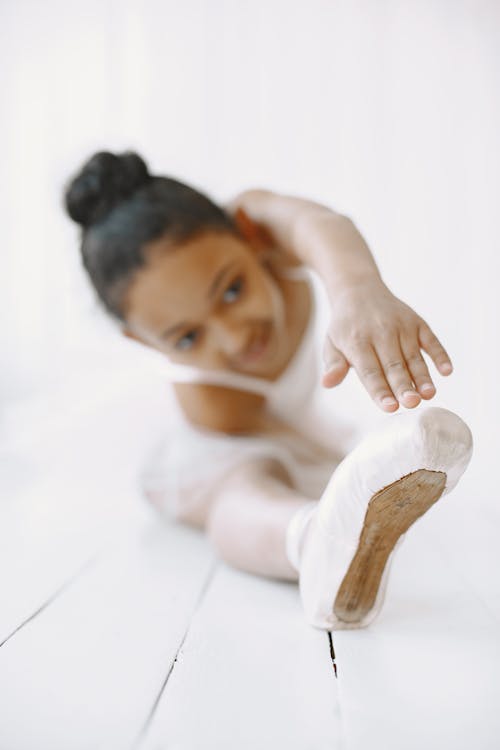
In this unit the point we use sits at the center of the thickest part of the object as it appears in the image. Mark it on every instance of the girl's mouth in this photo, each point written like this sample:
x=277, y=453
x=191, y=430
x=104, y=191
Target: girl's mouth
x=257, y=348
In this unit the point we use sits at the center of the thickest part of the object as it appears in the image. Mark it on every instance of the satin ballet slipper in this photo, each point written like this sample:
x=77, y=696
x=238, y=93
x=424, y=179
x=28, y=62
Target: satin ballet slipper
x=375, y=494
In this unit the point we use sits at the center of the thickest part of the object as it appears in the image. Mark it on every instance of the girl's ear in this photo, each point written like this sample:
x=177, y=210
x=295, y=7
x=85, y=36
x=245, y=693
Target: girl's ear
x=255, y=234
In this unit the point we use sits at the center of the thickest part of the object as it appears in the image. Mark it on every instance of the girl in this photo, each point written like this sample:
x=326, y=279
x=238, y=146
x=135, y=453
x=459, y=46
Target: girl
x=226, y=294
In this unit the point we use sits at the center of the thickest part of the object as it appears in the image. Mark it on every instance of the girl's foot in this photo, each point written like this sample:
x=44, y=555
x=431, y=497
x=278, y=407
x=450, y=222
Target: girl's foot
x=383, y=486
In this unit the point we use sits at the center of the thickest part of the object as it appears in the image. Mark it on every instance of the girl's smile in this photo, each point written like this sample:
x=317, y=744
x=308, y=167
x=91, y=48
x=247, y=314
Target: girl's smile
x=258, y=347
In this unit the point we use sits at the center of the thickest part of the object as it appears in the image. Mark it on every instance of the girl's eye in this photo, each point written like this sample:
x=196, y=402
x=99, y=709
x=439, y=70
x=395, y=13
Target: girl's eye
x=187, y=341
x=233, y=291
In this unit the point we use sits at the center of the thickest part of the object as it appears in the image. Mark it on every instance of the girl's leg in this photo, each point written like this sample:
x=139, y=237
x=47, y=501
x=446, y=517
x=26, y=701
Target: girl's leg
x=249, y=518
x=343, y=542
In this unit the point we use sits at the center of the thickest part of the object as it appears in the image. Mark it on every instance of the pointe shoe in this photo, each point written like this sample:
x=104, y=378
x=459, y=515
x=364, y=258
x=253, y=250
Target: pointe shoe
x=384, y=485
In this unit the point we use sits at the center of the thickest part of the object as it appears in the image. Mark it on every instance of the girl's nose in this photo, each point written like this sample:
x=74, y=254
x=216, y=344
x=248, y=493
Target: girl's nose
x=231, y=336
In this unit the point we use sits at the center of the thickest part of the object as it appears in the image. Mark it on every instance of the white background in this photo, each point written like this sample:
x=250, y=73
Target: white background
x=386, y=110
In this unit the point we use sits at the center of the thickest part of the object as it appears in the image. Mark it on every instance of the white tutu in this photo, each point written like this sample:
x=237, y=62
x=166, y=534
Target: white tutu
x=185, y=468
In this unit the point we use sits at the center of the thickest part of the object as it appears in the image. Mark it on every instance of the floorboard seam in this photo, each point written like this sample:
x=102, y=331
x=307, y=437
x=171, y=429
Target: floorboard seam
x=337, y=714
x=52, y=598
x=332, y=652
x=156, y=702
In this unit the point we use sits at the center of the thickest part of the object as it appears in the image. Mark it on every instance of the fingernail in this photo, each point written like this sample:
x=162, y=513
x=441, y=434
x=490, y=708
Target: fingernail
x=410, y=394
x=389, y=401
x=427, y=387
x=446, y=367
x=334, y=364
x=329, y=365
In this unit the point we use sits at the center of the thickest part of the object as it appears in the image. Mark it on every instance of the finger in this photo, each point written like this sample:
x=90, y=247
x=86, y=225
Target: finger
x=397, y=375
x=431, y=344
x=417, y=367
x=372, y=376
x=336, y=365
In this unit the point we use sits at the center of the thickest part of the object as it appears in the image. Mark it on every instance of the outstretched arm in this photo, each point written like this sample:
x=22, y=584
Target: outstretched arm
x=370, y=329
x=317, y=235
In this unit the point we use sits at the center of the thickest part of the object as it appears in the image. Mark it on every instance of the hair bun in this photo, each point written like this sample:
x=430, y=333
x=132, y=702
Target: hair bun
x=105, y=180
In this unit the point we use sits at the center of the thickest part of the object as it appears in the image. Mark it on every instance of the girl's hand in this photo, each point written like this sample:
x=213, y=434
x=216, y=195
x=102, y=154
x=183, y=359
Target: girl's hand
x=381, y=337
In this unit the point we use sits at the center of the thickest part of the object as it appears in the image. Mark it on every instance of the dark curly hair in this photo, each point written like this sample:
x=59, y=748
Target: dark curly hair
x=121, y=207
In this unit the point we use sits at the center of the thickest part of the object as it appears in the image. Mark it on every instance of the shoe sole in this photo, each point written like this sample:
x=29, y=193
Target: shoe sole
x=389, y=514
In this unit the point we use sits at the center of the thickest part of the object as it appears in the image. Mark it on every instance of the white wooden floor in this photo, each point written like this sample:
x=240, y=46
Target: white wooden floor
x=120, y=631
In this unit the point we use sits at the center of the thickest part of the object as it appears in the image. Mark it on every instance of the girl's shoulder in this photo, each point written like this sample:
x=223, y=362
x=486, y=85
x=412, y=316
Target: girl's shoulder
x=222, y=409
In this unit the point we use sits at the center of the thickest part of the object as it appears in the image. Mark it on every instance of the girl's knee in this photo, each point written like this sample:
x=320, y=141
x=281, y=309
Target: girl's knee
x=256, y=473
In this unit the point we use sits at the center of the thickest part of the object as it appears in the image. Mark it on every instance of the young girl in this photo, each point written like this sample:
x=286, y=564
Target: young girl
x=227, y=295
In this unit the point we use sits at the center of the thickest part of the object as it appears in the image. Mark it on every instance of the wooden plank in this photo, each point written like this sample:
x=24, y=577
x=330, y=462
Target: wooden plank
x=425, y=673
x=48, y=534
x=251, y=674
x=85, y=672
x=70, y=485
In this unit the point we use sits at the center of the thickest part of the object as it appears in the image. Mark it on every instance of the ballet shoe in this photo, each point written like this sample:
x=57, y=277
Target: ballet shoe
x=388, y=481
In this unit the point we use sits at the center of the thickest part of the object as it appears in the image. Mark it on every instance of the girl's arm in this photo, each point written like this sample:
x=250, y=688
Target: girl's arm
x=315, y=234
x=370, y=329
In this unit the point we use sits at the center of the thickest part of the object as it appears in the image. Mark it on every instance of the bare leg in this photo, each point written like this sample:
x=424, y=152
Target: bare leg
x=249, y=517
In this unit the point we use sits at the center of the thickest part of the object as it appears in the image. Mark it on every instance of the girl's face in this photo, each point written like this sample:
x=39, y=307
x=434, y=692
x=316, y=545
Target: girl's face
x=209, y=303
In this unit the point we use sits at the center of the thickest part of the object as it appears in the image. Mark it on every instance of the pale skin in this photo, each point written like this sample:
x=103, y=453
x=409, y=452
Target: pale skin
x=217, y=302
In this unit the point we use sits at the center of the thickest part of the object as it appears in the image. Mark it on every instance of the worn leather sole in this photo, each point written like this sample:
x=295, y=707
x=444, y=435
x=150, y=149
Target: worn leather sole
x=390, y=513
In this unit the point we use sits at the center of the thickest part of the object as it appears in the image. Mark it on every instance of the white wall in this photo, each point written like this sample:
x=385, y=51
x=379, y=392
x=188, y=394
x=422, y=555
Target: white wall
x=388, y=111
